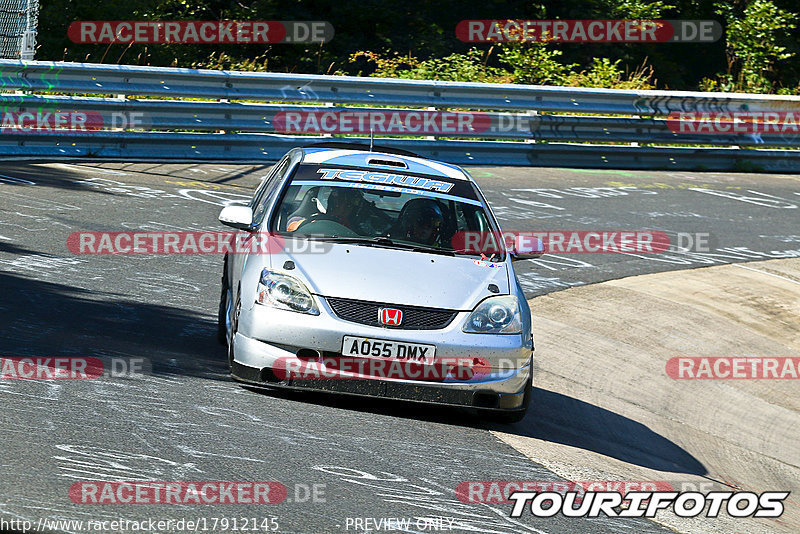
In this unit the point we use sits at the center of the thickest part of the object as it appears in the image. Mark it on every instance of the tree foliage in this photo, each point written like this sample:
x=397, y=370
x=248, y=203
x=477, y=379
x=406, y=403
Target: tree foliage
x=756, y=37
x=416, y=39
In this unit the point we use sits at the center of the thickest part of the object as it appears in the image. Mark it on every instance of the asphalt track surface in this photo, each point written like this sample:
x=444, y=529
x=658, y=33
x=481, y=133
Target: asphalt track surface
x=186, y=420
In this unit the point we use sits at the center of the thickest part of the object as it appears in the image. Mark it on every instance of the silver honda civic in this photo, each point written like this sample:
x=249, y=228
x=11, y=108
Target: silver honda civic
x=372, y=271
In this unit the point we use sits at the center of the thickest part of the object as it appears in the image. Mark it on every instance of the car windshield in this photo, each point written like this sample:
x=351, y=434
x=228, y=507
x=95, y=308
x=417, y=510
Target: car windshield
x=387, y=208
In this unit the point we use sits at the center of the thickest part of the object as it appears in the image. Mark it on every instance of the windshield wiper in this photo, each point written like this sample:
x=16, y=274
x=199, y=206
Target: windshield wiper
x=386, y=242
x=496, y=257
x=434, y=250
x=380, y=241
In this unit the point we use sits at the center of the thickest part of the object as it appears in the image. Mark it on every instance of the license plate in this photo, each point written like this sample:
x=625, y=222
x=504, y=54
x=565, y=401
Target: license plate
x=366, y=347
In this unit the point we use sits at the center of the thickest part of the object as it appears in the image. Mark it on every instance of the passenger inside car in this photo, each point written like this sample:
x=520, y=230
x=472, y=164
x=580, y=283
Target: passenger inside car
x=420, y=222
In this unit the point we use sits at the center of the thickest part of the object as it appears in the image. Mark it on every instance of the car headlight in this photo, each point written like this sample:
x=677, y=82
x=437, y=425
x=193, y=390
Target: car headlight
x=285, y=292
x=495, y=315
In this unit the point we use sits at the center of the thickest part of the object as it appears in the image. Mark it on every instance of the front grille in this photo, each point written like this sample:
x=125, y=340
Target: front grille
x=414, y=318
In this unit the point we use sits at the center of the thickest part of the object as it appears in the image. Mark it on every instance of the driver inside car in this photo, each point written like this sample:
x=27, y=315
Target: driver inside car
x=342, y=208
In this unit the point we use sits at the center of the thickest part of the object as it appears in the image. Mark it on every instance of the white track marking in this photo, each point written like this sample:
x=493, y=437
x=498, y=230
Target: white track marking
x=768, y=274
x=14, y=180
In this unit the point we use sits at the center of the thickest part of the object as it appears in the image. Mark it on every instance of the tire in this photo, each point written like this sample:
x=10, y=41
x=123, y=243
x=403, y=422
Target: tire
x=234, y=327
x=517, y=415
x=222, y=313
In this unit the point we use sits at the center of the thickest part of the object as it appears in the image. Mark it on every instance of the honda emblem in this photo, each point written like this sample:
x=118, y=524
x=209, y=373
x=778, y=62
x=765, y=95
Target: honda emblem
x=390, y=316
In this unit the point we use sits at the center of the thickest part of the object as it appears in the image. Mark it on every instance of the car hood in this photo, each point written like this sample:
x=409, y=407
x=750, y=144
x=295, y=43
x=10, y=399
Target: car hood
x=396, y=276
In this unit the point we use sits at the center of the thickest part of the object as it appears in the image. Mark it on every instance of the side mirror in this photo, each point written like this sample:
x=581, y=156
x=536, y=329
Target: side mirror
x=239, y=217
x=527, y=247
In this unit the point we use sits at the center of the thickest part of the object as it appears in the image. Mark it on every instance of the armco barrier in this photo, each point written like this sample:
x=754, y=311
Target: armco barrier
x=169, y=114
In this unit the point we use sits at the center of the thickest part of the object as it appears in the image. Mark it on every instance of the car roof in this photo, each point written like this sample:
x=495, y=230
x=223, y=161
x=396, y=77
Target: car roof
x=380, y=159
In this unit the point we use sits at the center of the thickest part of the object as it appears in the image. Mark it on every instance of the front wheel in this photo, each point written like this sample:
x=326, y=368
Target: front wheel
x=224, y=312
x=234, y=327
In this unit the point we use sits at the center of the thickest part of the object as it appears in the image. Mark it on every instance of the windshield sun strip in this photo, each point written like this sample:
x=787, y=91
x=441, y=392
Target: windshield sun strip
x=394, y=189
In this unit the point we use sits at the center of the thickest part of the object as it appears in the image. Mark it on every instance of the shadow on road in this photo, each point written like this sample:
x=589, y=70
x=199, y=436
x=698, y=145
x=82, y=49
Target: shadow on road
x=376, y=405
x=20, y=175
x=561, y=419
x=552, y=417
x=47, y=319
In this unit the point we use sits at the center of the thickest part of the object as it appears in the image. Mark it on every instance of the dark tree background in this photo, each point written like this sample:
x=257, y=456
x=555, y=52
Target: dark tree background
x=759, y=54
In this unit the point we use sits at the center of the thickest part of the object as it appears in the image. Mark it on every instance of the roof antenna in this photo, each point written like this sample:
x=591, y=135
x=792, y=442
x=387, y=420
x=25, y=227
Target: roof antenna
x=371, y=137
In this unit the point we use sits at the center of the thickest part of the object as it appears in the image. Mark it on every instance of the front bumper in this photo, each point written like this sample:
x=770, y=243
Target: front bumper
x=267, y=335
